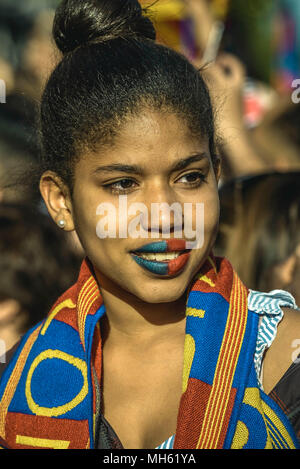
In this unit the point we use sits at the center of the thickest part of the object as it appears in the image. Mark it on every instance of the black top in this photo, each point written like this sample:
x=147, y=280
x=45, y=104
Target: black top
x=286, y=394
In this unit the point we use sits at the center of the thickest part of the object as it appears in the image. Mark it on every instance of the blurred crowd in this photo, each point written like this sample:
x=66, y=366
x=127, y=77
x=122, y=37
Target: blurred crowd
x=249, y=54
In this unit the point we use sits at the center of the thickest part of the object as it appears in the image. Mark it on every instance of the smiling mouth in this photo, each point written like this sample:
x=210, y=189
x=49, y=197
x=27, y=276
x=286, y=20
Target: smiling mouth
x=165, y=258
x=160, y=256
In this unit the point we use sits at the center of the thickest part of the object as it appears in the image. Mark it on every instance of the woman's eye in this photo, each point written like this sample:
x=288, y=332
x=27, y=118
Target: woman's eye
x=194, y=179
x=122, y=186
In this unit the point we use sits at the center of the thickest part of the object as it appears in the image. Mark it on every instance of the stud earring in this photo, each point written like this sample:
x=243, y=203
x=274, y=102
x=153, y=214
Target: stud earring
x=62, y=224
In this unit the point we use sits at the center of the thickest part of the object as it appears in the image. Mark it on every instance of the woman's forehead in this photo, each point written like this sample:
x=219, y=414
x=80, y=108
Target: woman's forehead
x=151, y=125
x=151, y=139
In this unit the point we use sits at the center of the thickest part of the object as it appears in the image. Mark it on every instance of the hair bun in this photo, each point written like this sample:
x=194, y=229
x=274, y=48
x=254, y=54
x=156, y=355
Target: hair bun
x=78, y=22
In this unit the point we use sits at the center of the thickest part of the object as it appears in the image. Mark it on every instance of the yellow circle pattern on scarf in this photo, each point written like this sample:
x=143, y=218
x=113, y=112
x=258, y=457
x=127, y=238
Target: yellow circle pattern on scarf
x=242, y=433
x=277, y=435
x=60, y=410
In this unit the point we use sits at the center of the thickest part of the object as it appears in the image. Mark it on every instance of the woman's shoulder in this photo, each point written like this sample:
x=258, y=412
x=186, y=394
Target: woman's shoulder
x=281, y=355
x=279, y=326
x=278, y=333
x=277, y=356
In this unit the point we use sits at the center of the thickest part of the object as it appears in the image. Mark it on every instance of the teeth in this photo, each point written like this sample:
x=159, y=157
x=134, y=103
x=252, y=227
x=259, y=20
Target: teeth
x=160, y=256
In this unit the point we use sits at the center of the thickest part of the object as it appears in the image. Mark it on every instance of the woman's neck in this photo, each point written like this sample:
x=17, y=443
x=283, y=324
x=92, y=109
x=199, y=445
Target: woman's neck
x=130, y=319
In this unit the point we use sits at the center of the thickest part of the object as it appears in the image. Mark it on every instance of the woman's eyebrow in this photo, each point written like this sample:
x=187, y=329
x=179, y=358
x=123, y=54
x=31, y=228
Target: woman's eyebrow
x=135, y=169
x=123, y=168
x=185, y=162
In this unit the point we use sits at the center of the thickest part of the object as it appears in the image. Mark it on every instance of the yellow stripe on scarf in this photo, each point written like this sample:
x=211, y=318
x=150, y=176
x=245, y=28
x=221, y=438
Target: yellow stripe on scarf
x=14, y=379
x=225, y=368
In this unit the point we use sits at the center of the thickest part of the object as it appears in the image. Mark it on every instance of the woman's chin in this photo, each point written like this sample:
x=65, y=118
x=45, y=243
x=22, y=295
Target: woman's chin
x=159, y=295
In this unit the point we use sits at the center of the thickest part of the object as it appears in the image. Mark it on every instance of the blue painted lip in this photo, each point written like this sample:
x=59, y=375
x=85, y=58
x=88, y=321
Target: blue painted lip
x=160, y=246
x=160, y=268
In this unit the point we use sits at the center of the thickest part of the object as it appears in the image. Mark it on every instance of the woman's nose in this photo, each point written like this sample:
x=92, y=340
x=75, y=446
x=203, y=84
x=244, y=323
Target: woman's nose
x=165, y=213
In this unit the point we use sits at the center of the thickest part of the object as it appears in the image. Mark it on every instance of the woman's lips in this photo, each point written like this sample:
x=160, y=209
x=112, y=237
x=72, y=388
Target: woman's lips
x=151, y=256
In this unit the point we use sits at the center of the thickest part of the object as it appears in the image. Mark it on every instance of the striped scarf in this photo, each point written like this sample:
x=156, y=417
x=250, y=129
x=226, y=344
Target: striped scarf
x=50, y=392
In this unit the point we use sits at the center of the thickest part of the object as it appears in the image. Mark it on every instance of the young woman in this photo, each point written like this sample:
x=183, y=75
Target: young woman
x=158, y=343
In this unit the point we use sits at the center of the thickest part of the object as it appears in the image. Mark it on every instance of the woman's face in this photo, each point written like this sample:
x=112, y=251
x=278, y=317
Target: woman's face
x=154, y=160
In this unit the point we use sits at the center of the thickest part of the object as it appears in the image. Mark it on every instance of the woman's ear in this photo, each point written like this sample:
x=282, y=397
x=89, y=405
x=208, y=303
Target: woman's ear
x=57, y=198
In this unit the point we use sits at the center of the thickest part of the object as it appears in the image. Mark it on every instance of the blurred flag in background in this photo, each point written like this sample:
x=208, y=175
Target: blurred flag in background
x=175, y=27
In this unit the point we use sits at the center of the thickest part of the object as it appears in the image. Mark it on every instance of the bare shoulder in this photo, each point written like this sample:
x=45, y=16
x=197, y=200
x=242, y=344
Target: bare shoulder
x=279, y=357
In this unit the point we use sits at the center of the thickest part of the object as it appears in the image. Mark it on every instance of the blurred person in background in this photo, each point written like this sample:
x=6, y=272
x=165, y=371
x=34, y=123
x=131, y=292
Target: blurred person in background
x=27, y=53
x=258, y=123
x=271, y=145
x=278, y=136
x=239, y=152
x=260, y=230
x=19, y=150
x=25, y=57
x=37, y=265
